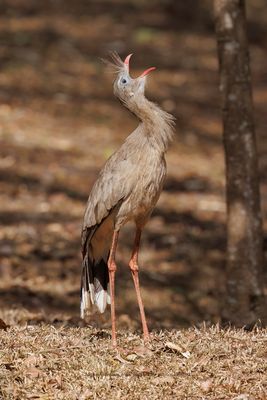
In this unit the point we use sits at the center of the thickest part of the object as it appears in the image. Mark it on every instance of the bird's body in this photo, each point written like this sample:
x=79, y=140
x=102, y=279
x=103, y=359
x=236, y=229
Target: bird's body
x=127, y=189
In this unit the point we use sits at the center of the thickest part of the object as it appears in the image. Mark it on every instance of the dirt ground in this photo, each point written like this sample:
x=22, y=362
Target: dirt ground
x=60, y=122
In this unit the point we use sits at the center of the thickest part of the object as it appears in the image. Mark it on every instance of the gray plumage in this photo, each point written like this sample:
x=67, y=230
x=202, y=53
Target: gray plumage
x=128, y=186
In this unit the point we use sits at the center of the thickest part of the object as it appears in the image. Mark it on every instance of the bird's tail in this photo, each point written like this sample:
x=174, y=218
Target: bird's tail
x=94, y=285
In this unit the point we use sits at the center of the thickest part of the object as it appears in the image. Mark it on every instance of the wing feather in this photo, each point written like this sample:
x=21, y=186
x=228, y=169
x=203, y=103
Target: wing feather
x=111, y=187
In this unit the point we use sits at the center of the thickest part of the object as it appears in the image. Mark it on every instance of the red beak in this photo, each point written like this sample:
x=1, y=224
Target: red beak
x=127, y=61
x=147, y=71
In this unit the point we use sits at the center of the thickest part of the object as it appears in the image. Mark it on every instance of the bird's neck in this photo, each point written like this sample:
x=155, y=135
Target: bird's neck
x=156, y=123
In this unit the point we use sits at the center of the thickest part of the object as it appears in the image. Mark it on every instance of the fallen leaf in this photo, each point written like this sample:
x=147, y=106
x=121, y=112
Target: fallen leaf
x=175, y=347
x=131, y=357
x=143, y=351
x=121, y=359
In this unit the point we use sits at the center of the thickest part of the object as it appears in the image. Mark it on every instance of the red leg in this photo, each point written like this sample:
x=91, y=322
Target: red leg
x=112, y=269
x=134, y=269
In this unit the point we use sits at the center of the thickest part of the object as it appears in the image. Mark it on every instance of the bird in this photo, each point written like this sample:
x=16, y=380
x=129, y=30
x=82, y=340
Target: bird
x=127, y=189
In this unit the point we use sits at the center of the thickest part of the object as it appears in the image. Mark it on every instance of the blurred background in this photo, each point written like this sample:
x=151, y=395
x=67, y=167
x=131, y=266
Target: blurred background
x=60, y=122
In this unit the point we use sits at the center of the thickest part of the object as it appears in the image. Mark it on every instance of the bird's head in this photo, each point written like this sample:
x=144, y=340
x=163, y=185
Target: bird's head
x=128, y=89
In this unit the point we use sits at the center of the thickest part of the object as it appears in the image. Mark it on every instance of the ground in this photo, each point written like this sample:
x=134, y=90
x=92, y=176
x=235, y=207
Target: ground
x=59, y=123
x=74, y=363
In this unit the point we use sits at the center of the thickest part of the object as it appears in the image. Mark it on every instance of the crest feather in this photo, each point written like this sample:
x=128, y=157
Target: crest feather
x=115, y=63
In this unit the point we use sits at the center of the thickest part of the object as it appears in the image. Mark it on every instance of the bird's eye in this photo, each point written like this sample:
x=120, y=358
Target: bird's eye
x=123, y=81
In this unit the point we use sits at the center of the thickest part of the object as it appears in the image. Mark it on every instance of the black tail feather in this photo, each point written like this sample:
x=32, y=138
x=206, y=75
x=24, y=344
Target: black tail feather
x=94, y=284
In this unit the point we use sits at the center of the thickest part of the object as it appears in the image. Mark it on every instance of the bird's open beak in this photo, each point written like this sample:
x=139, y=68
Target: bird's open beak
x=127, y=61
x=146, y=72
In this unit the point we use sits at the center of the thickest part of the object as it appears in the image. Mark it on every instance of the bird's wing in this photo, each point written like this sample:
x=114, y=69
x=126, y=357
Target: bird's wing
x=111, y=187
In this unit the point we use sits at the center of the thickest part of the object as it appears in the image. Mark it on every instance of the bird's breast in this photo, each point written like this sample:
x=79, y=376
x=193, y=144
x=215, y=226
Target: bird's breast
x=144, y=193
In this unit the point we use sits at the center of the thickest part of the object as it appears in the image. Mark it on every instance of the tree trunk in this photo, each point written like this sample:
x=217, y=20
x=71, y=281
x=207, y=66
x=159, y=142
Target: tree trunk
x=244, y=265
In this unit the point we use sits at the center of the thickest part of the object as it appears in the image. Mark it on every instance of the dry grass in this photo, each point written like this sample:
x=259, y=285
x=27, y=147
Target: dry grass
x=47, y=362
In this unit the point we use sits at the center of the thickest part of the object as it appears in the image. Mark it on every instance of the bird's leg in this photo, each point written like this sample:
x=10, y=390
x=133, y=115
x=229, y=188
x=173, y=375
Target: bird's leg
x=112, y=269
x=134, y=269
